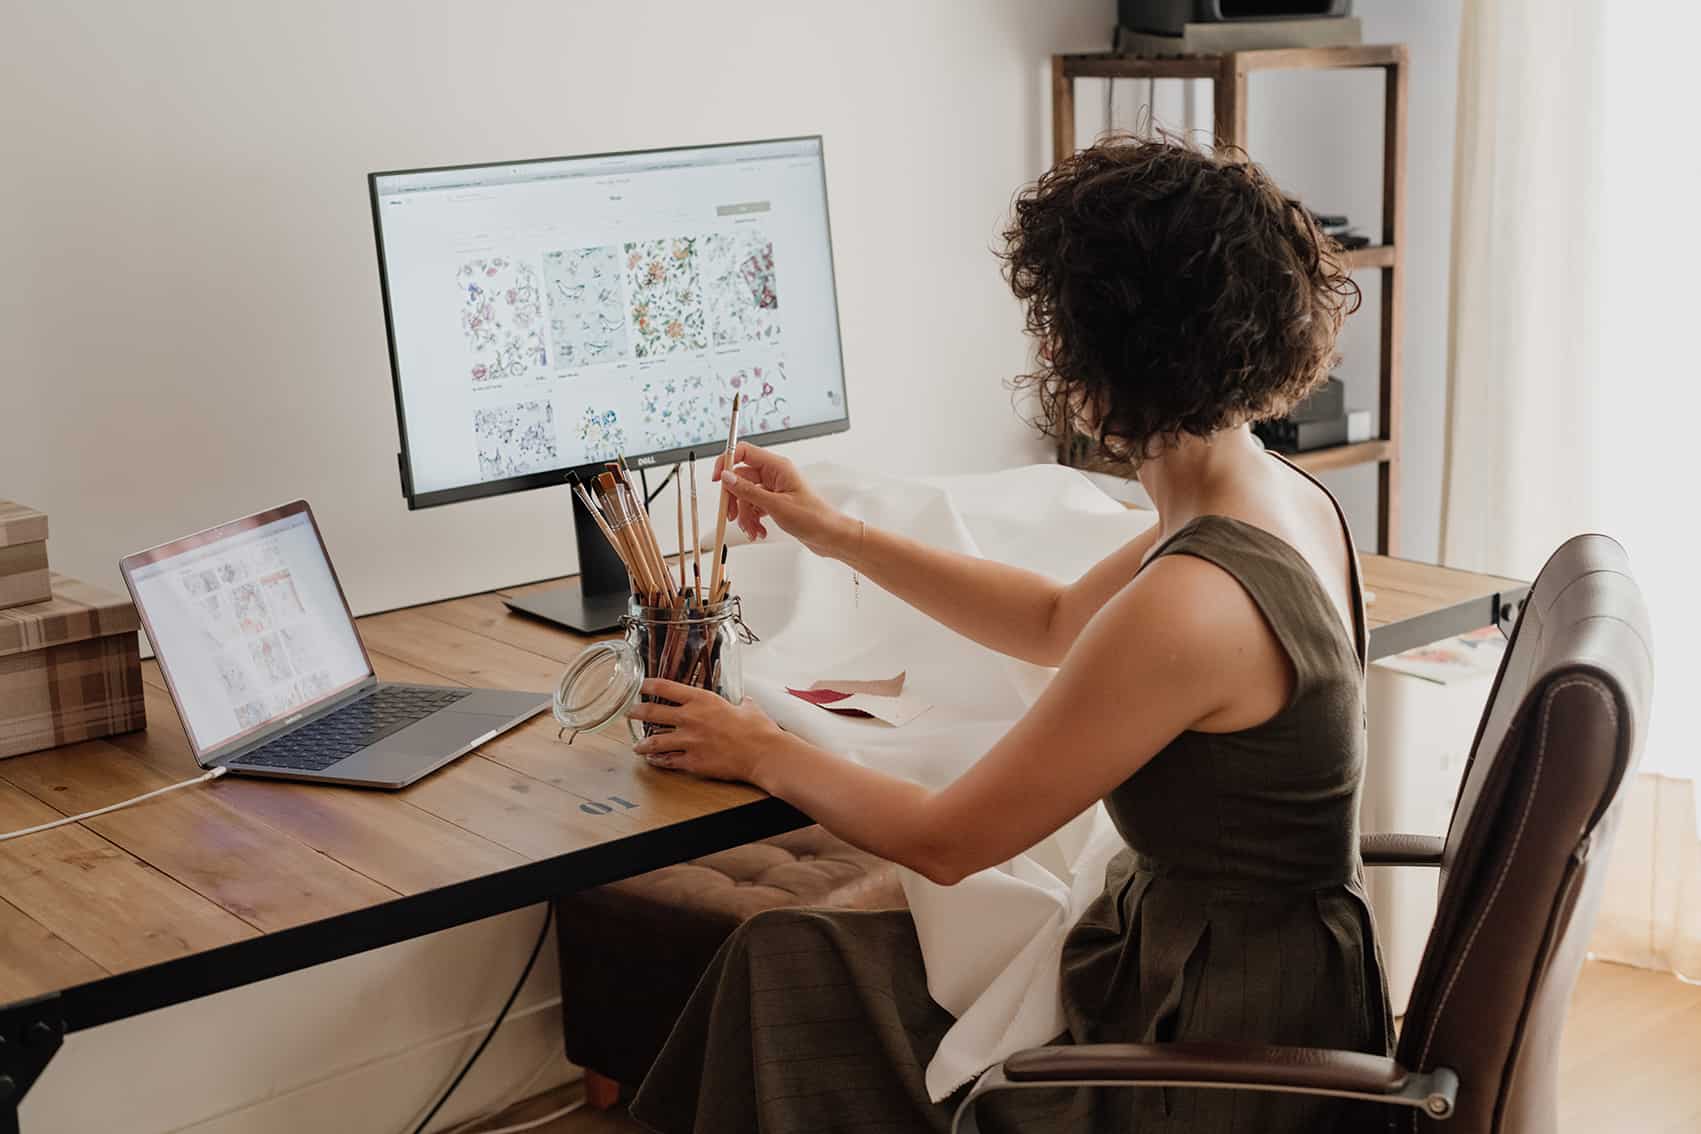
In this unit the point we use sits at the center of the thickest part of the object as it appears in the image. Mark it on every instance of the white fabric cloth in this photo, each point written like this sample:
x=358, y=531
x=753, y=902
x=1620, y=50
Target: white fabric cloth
x=993, y=942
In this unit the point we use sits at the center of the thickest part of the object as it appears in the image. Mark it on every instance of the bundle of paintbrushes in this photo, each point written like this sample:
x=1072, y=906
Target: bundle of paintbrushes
x=681, y=626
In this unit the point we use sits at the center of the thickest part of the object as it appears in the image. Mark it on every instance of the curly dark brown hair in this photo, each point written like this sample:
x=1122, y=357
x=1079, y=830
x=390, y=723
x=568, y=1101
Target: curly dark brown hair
x=1174, y=291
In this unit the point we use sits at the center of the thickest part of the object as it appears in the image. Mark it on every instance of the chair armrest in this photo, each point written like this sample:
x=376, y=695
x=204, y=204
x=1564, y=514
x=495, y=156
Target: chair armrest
x=1229, y=1066
x=1401, y=850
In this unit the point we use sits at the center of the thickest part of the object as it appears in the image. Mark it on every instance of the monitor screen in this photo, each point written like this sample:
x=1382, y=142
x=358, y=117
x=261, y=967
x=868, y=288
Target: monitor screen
x=553, y=314
x=248, y=623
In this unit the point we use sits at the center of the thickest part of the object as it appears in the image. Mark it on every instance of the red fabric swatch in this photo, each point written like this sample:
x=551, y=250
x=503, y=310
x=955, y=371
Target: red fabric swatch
x=825, y=698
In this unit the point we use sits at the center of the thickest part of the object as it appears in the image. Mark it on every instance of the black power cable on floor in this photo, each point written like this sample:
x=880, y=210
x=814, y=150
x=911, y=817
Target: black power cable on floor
x=548, y=918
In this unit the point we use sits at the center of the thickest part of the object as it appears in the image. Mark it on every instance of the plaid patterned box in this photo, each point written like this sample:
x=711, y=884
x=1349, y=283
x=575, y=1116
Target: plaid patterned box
x=23, y=555
x=70, y=669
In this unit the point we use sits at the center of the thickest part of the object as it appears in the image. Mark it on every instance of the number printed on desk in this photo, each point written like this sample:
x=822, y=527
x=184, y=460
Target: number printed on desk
x=595, y=808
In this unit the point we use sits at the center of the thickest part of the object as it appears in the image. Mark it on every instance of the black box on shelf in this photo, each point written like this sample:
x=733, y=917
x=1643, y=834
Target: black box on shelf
x=1288, y=436
x=1327, y=401
x=1170, y=17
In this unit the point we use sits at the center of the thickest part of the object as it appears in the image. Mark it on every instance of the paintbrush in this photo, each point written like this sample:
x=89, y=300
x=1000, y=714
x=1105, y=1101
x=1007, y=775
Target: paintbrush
x=679, y=514
x=717, y=565
x=645, y=533
x=696, y=538
x=590, y=504
x=622, y=521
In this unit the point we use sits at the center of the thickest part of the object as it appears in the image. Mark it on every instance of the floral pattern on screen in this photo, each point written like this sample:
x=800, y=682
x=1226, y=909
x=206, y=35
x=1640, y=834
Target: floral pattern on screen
x=763, y=408
x=666, y=300
x=514, y=440
x=501, y=318
x=602, y=434
x=680, y=412
x=744, y=305
x=587, y=314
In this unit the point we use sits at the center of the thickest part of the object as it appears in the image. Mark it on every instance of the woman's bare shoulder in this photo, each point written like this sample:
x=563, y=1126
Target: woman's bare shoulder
x=1199, y=614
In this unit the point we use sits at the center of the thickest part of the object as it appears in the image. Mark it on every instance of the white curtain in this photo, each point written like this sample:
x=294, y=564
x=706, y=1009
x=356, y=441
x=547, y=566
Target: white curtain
x=1575, y=362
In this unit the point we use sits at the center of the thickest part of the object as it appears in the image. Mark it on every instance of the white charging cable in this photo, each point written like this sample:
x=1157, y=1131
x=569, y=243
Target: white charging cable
x=541, y=1120
x=516, y=1096
x=205, y=777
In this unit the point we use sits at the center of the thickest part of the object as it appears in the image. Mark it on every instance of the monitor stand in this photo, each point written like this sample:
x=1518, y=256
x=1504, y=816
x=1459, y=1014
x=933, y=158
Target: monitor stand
x=592, y=603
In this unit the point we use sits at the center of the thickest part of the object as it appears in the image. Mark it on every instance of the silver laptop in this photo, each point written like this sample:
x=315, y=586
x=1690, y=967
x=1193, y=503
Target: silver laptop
x=254, y=637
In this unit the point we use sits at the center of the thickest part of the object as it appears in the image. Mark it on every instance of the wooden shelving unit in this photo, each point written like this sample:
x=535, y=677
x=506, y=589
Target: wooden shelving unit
x=1228, y=74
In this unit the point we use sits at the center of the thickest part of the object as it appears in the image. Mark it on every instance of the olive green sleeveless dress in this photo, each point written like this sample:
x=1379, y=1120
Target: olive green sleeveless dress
x=1236, y=914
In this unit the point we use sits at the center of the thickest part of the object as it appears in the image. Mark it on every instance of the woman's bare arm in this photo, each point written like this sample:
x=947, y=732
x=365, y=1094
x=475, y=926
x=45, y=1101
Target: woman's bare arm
x=1205, y=655
x=1016, y=612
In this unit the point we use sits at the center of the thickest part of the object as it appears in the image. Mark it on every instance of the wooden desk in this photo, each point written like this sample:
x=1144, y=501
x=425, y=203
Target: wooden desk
x=244, y=879
x=1414, y=604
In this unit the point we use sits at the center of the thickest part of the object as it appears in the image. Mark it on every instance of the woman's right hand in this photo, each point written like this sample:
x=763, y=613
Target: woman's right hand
x=763, y=486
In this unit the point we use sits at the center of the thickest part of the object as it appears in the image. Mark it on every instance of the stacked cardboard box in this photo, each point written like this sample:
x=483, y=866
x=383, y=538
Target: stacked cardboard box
x=23, y=555
x=70, y=659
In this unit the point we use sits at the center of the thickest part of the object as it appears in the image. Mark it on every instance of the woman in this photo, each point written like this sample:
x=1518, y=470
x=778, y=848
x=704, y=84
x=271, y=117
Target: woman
x=1210, y=691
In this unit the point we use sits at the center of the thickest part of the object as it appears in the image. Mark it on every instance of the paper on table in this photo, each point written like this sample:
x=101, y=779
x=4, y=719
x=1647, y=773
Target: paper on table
x=885, y=687
x=895, y=711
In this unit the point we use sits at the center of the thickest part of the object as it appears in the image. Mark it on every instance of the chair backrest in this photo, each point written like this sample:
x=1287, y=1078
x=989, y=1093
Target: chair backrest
x=1525, y=853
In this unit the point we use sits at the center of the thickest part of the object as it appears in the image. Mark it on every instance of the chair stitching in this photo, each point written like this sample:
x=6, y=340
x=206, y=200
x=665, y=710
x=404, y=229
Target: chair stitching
x=1506, y=866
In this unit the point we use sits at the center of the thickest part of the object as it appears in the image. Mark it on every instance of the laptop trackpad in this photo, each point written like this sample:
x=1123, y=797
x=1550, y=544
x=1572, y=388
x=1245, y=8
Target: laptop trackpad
x=403, y=757
x=440, y=733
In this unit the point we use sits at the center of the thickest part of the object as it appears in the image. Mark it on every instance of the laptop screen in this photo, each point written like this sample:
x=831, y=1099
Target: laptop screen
x=248, y=623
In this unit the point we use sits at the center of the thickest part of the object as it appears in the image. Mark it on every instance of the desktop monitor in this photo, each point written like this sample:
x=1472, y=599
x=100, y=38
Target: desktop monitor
x=547, y=316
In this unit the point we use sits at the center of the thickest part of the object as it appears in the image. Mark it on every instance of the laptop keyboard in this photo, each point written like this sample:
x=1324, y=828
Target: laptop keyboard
x=315, y=747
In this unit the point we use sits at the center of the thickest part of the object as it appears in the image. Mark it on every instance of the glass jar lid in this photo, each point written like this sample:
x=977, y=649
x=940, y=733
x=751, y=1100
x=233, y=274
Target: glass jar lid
x=600, y=684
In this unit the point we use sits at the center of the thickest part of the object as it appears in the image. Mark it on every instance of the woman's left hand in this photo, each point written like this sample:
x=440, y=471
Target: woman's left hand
x=710, y=735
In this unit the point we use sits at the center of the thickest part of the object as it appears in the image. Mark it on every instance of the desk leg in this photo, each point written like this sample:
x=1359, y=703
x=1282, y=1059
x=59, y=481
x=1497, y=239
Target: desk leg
x=30, y=1034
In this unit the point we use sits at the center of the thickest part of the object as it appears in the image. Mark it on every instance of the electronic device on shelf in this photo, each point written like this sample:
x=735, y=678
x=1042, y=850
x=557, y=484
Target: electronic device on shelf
x=260, y=653
x=1327, y=401
x=1340, y=229
x=1320, y=421
x=1285, y=435
x=1171, y=17
x=547, y=316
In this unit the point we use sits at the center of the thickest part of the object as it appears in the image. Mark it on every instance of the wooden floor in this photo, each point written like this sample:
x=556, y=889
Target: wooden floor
x=1630, y=1062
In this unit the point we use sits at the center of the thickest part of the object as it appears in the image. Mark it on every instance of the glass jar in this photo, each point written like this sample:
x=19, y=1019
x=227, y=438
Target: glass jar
x=700, y=647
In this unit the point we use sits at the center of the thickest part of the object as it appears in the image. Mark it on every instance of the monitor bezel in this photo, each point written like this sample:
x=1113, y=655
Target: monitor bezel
x=660, y=457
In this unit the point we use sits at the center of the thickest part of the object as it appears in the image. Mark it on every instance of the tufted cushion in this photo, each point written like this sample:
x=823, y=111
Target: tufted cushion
x=632, y=951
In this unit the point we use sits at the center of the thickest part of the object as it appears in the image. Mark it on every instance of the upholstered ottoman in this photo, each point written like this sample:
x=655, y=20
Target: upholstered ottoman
x=631, y=952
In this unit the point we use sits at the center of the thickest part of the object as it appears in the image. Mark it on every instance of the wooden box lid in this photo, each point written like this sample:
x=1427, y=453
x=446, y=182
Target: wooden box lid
x=76, y=612
x=21, y=524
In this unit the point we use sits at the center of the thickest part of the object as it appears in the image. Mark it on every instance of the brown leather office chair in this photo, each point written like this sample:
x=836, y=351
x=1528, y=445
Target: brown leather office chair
x=1521, y=871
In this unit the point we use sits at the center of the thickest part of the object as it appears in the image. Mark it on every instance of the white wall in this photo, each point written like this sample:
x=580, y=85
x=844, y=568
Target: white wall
x=191, y=329
x=365, y=1044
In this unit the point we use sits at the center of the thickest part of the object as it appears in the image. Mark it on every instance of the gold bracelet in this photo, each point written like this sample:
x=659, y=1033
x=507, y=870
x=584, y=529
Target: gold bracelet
x=856, y=576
